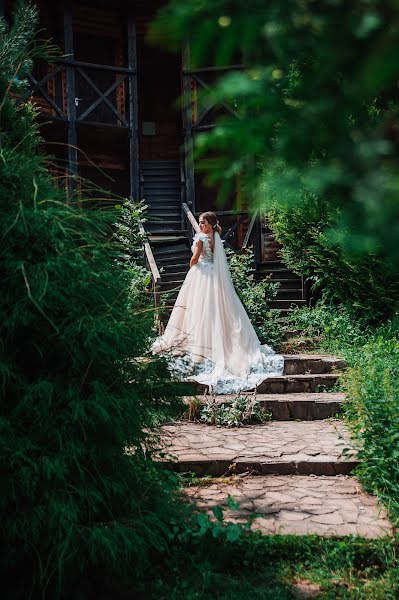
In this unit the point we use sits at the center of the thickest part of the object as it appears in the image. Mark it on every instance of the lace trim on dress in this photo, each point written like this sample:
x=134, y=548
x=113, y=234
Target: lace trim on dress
x=206, y=253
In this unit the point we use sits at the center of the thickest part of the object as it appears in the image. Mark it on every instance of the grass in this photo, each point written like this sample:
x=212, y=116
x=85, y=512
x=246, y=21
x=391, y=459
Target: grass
x=270, y=567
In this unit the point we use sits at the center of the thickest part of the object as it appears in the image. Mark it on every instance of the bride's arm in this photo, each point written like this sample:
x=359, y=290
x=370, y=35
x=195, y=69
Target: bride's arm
x=196, y=253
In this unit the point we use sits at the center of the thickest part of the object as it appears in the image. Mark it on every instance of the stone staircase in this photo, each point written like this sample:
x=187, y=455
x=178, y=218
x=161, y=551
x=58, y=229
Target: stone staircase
x=292, y=474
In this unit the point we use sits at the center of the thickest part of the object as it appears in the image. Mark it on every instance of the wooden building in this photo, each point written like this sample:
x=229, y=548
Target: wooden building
x=111, y=117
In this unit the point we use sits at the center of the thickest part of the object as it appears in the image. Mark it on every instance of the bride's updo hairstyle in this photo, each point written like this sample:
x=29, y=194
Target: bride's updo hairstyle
x=211, y=218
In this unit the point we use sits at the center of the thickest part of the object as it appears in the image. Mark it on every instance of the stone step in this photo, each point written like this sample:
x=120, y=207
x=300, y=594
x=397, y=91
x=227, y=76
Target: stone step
x=326, y=506
x=167, y=286
x=286, y=304
x=289, y=384
x=289, y=294
x=286, y=407
x=278, y=448
x=296, y=364
x=175, y=275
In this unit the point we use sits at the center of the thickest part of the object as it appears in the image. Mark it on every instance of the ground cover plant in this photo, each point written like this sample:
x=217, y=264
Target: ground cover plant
x=273, y=567
x=244, y=409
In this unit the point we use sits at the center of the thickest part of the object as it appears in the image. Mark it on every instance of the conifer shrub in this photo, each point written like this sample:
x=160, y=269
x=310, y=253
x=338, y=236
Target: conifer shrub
x=83, y=509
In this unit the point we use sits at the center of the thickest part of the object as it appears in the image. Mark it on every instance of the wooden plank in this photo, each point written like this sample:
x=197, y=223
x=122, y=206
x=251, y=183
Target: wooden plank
x=151, y=262
x=134, y=173
x=150, y=257
x=226, y=213
x=213, y=69
x=87, y=65
x=71, y=107
x=37, y=86
x=191, y=218
x=248, y=234
x=188, y=133
x=102, y=98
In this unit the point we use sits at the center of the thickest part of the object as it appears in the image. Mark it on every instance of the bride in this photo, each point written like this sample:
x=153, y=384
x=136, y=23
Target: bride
x=209, y=337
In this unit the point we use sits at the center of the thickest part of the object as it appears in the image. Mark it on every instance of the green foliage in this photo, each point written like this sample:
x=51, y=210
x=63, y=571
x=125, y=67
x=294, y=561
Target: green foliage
x=368, y=285
x=372, y=387
x=321, y=118
x=243, y=410
x=80, y=516
x=335, y=327
x=266, y=567
x=19, y=46
x=255, y=296
x=371, y=384
x=128, y=237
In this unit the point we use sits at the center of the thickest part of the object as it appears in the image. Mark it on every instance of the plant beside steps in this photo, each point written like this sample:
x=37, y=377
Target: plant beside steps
x=292, y=476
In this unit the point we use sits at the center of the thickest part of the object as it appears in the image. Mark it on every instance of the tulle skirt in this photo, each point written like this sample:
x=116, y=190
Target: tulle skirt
x=210, y=339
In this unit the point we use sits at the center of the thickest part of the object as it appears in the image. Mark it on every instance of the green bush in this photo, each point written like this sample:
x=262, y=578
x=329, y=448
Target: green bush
x=371, y=384
x=334, y=328
x=256, y=296
x=368, y=284
x=372, y=388
x=79, y=515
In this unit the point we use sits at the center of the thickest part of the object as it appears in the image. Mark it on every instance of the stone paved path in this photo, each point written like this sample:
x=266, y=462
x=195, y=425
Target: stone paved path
x=297, y=505
x=292, y=474
x=281, y=447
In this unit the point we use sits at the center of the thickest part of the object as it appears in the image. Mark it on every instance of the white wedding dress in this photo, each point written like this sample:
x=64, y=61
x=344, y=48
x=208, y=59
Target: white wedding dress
x=209, y=337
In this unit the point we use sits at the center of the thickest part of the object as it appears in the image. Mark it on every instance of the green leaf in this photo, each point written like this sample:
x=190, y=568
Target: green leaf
x=232, y=503
x=218, y=513
x=233, y=532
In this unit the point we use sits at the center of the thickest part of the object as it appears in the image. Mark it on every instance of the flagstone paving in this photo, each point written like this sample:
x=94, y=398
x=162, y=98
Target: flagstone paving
x=327, y=506
x=282, y=447
x=291, y=476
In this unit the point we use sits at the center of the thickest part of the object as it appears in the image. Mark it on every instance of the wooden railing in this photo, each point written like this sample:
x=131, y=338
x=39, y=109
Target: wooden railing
x=155, y=277
x=55, y=93
x=241, y=217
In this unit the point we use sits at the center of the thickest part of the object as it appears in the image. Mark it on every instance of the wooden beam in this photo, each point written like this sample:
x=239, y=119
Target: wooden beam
x=71, y=106
x=102, y=97
x=150, y=257
x=191, y=218
x=133, y=103
x=86, y=65
x=38, y=86
x=248, y=234
x=213, y=69
x=208, y=88
x=232, y=229
x=187, y=130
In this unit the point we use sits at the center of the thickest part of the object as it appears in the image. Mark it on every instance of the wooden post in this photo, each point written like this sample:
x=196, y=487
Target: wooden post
x=133, y=139
x=187, y=130
x=71, y=106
